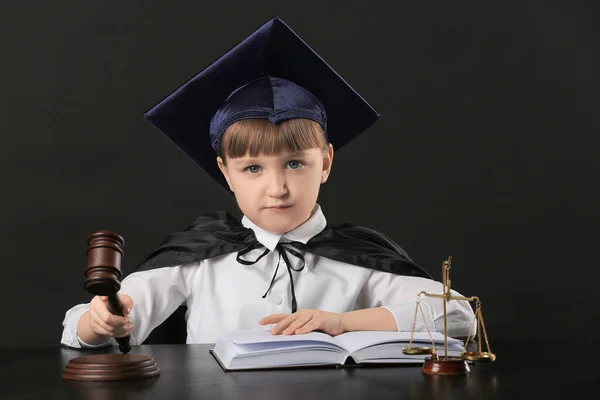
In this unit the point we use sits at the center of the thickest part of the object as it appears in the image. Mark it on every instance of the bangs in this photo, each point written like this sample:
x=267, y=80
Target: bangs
x=254, y=137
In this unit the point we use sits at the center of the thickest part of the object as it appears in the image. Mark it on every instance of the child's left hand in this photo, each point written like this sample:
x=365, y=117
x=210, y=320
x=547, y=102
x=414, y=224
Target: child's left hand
x=304, y=321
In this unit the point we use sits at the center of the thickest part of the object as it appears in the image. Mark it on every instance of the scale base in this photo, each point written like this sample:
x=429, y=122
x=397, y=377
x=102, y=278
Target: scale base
x=436, y=365
x=110, y=367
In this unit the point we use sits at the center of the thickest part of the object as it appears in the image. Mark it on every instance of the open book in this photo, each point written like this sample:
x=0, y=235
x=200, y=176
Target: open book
x=259, y=349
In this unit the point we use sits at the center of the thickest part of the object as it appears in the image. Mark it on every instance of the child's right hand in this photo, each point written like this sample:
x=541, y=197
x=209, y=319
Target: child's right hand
x=103, y=323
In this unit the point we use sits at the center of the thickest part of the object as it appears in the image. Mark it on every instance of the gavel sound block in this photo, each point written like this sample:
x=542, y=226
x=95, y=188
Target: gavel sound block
x=103, y=272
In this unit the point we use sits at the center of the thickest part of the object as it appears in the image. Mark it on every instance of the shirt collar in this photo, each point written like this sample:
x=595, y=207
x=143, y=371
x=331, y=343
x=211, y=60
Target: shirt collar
x=302, y=233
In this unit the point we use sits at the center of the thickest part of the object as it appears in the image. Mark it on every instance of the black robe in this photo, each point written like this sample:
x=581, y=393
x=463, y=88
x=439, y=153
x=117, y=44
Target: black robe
x=220, y=233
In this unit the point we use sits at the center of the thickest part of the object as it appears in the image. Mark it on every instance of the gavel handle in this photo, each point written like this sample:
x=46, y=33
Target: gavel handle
x=116, y=307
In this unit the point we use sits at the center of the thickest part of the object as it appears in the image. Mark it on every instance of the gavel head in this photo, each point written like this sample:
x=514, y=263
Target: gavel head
x=104, y=254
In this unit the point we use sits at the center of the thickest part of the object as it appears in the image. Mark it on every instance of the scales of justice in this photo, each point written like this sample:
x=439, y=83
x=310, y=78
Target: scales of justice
x=443, y=364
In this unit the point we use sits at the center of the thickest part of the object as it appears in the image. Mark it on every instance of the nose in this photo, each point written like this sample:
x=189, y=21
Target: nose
x=276, y=185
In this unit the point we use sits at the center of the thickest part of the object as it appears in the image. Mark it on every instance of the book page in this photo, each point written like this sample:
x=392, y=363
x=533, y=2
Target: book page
x=393, y=351
x=261, y=339
x=353, y=341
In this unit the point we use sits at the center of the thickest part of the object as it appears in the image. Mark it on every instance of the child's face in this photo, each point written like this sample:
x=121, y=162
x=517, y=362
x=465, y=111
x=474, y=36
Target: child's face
x=278, y=192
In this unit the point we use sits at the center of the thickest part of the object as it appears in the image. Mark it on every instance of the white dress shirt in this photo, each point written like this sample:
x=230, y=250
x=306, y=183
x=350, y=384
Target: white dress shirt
x=222, y=294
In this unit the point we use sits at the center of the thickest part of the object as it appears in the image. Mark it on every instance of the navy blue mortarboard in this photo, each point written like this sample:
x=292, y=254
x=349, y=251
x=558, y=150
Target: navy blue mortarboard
x=272, y=74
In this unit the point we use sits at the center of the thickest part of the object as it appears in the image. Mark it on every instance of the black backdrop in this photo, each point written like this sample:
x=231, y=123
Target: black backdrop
x=487, y=149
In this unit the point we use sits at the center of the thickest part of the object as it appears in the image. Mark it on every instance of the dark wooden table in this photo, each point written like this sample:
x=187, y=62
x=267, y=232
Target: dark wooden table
x=524, y=369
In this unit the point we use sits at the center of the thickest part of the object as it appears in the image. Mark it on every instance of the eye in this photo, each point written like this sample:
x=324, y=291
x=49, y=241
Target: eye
x=253, y=169
x=295, y=164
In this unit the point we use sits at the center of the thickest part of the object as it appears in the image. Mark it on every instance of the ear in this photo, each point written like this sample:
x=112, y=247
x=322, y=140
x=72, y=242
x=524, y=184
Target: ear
x=327, y=163
x=224, y=171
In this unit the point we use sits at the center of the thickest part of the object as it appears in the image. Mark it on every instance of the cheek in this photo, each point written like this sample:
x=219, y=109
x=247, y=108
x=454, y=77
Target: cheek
x=246, y=196
x=313, y=178
x=307, y=183
x=249, y=193
x=242, y=186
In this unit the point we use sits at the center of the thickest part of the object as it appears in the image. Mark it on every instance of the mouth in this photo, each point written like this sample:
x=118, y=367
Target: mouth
x=278, y=208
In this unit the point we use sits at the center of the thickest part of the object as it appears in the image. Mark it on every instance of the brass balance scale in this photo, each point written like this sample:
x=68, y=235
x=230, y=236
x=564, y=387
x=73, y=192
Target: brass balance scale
x=450, y=365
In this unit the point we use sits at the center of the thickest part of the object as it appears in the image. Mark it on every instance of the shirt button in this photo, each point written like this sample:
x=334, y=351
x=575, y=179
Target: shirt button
x=278, y=300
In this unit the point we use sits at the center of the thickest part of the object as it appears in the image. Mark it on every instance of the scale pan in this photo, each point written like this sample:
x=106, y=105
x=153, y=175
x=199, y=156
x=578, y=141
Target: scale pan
x=418, y=350
x=481, y=356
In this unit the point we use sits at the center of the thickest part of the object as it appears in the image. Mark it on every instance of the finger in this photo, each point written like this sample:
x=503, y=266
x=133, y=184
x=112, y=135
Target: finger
x=97, y=315
x=120, y=332
x=96, y=321
x=298, y=323
x=101, y=313
x=272, y=319
x=113, y=320
x=284, y=323
x=312, y=325
x=101, y=328
x=126, y=302
x=125, y=331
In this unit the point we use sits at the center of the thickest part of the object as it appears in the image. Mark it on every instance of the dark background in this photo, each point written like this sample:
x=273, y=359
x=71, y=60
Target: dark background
x=487, y=149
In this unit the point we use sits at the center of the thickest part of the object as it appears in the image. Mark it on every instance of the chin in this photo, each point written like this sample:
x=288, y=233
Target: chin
x=280, y=226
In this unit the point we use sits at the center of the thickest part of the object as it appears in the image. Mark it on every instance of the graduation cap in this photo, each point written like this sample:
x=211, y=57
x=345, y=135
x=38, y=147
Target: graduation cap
x=271, y=74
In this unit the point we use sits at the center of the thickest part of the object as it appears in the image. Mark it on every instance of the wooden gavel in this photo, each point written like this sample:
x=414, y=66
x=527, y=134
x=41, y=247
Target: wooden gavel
x=103, y=273
x=105, y=251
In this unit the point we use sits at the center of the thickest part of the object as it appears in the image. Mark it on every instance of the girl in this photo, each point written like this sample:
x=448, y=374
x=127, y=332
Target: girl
x=275, y=111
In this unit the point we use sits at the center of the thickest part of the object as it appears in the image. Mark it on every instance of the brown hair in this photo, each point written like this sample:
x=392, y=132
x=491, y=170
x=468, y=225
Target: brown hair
x=261, y=136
